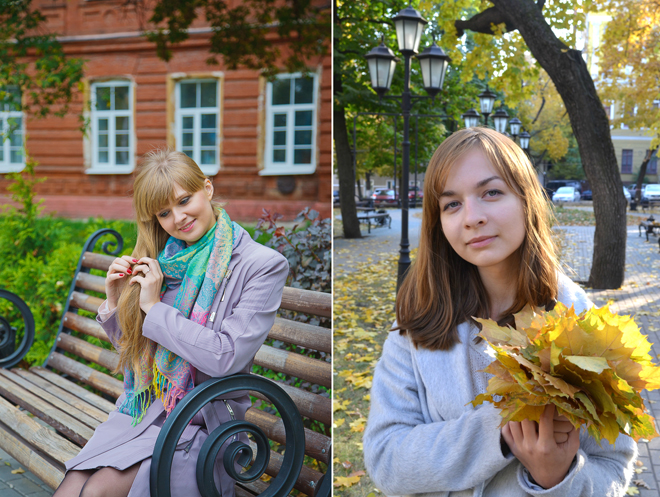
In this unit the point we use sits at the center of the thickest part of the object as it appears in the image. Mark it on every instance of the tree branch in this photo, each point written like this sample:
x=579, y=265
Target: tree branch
x=483, y=22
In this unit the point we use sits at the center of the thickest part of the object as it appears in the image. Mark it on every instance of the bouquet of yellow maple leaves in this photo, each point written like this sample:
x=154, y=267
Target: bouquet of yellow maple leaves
x=591, y=366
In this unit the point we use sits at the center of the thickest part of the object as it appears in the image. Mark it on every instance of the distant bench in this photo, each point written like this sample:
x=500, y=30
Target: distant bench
x=53, y=393
x=378, y=219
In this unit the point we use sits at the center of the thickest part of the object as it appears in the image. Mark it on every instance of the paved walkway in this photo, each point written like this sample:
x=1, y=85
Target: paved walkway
x=19, y=484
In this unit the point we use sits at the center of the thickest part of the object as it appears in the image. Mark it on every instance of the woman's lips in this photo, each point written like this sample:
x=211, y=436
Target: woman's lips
x=186, y=230
x=482, y=242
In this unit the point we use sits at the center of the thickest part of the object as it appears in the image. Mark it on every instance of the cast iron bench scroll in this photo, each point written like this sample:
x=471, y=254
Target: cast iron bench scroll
x=53, y=393
x=378, y=218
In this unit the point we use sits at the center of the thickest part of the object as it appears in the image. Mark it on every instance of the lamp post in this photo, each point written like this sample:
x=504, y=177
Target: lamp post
x=486, y=101
x=515, y=125
x=409, y=26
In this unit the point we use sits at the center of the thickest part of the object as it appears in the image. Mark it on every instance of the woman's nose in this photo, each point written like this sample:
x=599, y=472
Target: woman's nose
x=474, y=214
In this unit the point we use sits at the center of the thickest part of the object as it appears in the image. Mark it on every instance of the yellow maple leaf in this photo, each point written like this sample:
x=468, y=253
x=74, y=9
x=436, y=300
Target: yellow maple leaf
x=346, y=481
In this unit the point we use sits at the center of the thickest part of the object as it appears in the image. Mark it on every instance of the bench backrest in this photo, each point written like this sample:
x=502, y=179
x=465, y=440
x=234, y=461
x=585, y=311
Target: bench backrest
x=76, y=357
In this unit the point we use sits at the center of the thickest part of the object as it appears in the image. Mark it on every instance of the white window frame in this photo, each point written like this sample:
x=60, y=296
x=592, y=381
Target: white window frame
x=288, y=168
x=196, y=113
x=5, y=165
x=110, y=167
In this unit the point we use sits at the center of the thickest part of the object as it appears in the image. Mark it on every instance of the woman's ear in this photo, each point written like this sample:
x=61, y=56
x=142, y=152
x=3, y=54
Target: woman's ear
x=209, y=188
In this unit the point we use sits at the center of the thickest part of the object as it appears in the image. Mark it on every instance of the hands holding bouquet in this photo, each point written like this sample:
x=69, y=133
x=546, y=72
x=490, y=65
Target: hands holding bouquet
x=558, y=367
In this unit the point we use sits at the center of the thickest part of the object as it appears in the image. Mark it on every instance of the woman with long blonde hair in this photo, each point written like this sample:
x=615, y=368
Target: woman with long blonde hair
x=195, y=300
x=485, y=251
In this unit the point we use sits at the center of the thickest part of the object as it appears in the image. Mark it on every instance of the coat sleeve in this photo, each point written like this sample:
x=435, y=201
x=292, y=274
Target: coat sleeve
x=229, y=350
x=598, y=470
x=404, y=454
x=108, y=321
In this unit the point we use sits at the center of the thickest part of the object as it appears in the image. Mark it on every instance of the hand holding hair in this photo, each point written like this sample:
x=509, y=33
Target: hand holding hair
x=546, y=449
x=148, y=275
x=116, y=276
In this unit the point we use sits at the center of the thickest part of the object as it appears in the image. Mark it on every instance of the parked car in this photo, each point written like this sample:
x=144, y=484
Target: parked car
x=566, y=194
x=412, y=190
x=626, y=192
x=383, y=196
x=552, y=186
x=651, y=193
x=335, y=198
x=586, y=195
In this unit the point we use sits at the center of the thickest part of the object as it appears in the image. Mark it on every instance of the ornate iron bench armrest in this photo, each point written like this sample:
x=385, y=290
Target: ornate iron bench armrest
x=236, y=452
x=7, y=332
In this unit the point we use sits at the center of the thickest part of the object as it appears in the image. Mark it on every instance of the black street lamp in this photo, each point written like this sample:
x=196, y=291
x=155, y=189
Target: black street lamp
x=486, y=101
x=524, y=140
x=500, y=119
x=515, y=125
x=433, y=61
x=471, y=118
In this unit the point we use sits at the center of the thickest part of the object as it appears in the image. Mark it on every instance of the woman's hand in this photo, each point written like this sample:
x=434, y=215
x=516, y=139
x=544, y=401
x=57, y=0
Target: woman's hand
x=546, y=449
x=151, y=282
x=117, y=272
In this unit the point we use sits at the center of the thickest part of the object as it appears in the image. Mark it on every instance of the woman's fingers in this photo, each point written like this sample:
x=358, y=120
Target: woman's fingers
x=546, y=423
x=560, y=438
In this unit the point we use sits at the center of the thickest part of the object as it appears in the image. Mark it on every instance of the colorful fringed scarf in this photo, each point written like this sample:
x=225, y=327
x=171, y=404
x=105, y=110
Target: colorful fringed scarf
x=200, y=268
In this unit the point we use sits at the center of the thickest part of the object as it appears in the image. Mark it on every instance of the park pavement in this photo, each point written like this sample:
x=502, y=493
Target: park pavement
x=639, y=295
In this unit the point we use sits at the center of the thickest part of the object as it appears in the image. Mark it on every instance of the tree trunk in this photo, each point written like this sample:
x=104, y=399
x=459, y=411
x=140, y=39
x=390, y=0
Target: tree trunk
x=591, y=127
x=345, y=168
x=642, y=173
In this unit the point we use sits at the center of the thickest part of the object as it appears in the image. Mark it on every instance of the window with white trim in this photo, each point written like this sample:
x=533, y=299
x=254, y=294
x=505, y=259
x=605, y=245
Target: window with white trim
x=198, y=122
x=111, y=127
x=291, y=106
x=12, y=156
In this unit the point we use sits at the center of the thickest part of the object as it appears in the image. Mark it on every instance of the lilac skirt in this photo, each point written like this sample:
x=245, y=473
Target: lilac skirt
x=112, y=445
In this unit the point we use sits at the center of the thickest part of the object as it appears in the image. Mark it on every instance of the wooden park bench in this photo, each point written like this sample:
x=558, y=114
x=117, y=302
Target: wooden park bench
x=69, y=413
x=378, y=219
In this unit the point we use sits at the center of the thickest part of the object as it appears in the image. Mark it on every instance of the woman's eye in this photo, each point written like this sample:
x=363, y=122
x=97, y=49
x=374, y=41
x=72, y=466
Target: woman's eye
x=493, y=193
x=163, y=214
x=450, y=205
x=184, y=200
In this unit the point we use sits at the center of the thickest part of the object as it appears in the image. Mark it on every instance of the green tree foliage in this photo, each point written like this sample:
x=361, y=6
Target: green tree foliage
x=242, y=32
x=33, y=64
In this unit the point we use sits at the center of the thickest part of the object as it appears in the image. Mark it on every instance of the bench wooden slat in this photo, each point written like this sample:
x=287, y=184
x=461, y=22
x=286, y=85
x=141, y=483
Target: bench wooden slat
x=307, y=301
x=239, y=491
x=313, y=370
x=87, y=302
x=307, y=479
x=91, y=282
x=302, y=334
x=50, y=398
x=75, y=389
x=62, y=394
x=102, y=357
x=317, y=445
x=38, y=435
x=253, y=488
x=61, y=421
x=97, y=261
x=34, y=463
x=309, y=404
x=85, y=325
x=92, y=377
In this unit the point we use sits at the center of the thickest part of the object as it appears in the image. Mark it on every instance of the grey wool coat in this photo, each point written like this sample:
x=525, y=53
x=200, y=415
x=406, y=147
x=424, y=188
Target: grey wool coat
x=422, y=438
x=238, y=324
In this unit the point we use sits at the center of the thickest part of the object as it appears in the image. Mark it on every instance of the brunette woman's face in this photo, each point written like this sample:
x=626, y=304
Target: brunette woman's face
x=190, y=215
x=482, y=218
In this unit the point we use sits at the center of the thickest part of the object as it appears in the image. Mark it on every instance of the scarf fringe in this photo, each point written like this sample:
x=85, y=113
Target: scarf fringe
x=166, y=390
x=137, y=405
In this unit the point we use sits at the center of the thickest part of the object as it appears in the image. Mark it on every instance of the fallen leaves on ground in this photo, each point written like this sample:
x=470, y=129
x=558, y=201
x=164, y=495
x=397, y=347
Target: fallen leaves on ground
x=363, y=314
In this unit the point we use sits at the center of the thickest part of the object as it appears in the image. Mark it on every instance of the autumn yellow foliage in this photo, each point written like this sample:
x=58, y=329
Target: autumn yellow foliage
x=591, y=366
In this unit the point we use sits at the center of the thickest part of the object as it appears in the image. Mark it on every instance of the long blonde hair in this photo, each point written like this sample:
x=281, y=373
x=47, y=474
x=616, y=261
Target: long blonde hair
x=153, y=190
x=442, y=290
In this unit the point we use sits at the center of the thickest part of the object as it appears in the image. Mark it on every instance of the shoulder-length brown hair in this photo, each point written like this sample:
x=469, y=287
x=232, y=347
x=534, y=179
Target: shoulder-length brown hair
x=153, y=190
x=442, y=290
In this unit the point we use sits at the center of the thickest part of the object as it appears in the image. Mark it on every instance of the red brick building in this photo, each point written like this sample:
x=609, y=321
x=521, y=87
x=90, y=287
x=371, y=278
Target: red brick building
x=264, y=144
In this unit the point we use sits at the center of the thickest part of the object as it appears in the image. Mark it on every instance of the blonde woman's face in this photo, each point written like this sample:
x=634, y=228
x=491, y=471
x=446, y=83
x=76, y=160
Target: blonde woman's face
x=190, y=216
x=482, y=218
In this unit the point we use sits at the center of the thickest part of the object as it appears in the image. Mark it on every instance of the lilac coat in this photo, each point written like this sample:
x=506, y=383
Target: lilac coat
x=238, y=324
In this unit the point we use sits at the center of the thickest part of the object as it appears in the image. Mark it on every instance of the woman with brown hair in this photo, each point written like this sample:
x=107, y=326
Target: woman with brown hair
x=195, y=300
x=485, y=251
